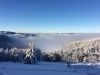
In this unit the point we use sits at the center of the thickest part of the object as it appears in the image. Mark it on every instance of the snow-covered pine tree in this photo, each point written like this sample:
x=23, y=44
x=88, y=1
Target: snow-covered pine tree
x=30, y=57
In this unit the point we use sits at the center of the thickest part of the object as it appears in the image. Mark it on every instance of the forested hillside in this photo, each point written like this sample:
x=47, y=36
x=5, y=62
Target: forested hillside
x=5, y=41
x=87, y=50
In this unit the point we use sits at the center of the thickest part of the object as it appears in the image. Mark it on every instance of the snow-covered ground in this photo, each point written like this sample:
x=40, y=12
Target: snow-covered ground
x=49, y=68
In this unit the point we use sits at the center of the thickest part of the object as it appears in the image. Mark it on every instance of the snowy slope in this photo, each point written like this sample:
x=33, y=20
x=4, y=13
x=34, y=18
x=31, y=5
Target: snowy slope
x=49, y=68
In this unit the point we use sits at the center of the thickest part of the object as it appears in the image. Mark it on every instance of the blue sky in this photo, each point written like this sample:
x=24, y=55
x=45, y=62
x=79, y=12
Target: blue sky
x=50, y=16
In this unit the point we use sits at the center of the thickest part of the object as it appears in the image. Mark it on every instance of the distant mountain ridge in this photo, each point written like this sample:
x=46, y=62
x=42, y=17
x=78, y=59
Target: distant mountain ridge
x=19, y=35
x=25, y=35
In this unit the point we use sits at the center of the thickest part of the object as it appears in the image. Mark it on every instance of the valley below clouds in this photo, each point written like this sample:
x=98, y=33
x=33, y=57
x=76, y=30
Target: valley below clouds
x=54, y=42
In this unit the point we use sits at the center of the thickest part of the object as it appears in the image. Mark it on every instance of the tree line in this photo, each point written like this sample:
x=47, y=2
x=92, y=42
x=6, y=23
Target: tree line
x=21, y=55
x=87, y=50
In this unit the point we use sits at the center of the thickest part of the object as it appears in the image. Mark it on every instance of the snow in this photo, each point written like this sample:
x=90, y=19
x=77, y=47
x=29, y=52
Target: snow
x=49, y=68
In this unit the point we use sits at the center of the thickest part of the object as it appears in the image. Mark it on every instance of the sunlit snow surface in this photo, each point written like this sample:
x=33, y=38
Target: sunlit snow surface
x=49, y=68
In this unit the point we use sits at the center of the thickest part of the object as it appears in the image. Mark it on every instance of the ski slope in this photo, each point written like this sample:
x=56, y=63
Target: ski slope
x=49, y=68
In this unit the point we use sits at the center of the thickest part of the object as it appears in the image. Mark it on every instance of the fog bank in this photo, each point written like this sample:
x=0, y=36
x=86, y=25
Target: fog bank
x=54, y=42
